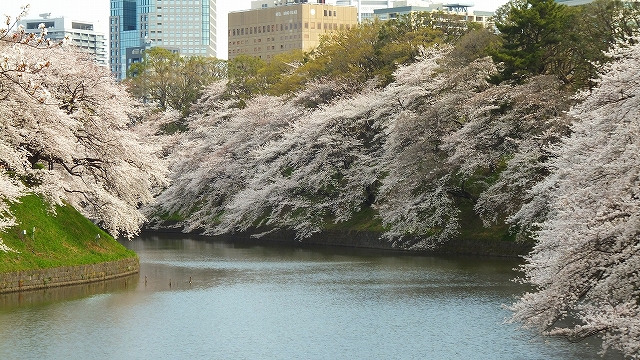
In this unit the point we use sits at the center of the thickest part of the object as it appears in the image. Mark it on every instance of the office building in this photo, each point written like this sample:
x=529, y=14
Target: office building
x=366, y=8
x=273, y=29
x=78, y=33
x=187, y=27
x=406, y=7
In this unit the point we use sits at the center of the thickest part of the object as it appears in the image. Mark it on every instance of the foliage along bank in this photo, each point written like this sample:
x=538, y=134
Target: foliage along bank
x=65, y=136
x=43, y=239
x=540, y=138
x=419, y=153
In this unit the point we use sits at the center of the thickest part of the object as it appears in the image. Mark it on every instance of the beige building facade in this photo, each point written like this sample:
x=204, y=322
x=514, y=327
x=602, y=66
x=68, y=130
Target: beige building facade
x=270, y=31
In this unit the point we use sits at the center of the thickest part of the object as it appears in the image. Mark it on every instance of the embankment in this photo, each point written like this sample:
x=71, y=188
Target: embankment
x=67, y=275
x=373, y=240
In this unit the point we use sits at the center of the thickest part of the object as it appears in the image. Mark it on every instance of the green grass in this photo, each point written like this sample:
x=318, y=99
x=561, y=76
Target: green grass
x=364, y=220
x=471, y=226
x=64, y=239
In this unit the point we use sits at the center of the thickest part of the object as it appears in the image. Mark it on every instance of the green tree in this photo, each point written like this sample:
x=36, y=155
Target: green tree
x=474, y=45
x=171, y=81
x=597, y=28
x=401, y=40
x=375, y=49
x=192, y=75
x=280, y=73
x=529, y=29
x=244, y=77
x=571, y=43
x=347, y=54
x=151, y=79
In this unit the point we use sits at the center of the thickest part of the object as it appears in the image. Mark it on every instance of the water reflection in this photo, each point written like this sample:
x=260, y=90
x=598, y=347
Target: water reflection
x=41, y=297
x=209, y=299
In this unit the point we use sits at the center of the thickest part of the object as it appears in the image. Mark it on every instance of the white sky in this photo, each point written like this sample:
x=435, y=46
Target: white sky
x=97, y=11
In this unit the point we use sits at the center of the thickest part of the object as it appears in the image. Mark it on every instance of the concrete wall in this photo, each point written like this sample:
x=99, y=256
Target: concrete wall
x=68, y=275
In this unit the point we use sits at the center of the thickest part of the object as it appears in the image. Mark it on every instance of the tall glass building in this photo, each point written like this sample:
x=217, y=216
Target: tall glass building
x=187, y=27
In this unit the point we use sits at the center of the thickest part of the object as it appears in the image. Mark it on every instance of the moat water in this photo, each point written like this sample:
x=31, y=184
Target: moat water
x=196, y=298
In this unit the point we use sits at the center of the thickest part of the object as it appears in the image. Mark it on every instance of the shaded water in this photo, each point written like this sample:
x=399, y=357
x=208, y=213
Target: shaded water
x=265, y=301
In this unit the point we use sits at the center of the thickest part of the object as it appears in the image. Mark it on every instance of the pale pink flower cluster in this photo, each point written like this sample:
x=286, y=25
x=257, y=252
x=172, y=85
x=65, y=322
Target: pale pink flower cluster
x=66, y=135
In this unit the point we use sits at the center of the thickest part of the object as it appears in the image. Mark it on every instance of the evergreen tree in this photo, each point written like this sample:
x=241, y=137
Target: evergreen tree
x=529, y=28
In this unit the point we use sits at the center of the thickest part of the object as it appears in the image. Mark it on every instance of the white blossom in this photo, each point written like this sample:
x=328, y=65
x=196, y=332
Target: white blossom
x=585, y=264
x=66, y=134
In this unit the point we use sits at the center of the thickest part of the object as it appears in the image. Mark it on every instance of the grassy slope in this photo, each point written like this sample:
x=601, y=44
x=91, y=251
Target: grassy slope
x=64, y=239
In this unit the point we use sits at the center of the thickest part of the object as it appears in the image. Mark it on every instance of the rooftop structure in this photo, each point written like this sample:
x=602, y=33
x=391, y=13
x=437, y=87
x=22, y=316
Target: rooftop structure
x=573, y=2
x=366, y=8
x=401, y=8
x=458, y=7
x=78, y=33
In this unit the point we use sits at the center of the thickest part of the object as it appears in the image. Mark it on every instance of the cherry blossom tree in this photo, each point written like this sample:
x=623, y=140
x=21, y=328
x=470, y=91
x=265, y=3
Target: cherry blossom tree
x=66, y=135
x=586, y=217
x=317, y=171
x=213, y=160
x=299, y=163
x=416, y=195
x=502, y=147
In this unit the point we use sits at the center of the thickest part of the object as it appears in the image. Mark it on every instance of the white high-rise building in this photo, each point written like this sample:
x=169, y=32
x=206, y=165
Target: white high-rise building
x=78, y=33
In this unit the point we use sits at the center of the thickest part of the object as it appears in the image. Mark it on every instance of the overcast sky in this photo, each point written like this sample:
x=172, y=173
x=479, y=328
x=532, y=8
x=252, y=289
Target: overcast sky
x=97, y=11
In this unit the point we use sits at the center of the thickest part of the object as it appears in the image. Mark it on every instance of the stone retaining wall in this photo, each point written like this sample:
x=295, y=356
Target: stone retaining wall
x=68, y=275
x=372, y=240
